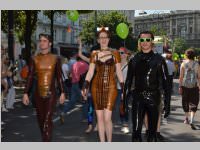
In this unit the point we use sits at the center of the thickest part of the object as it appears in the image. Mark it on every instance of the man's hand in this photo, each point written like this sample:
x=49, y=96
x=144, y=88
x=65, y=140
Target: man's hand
x=25, y=99
x=62, y=98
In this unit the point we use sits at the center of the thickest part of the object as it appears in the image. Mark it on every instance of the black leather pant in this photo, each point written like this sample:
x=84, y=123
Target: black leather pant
x=44, y=109
x=145, y=102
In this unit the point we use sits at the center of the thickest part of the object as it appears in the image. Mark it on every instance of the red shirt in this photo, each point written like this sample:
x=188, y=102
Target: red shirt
x=78, y=68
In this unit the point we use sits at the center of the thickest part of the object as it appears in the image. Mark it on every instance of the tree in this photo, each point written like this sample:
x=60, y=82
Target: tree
x=110, y=20
x=179, y=45
x=50, y=14
x=158, y=32
x=30, y=26
x=24, y=25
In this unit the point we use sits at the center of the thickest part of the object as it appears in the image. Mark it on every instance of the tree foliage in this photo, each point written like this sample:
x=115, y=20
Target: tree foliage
x=180, y=45
x=19, y=23
x=158, y=32
x=110, y=20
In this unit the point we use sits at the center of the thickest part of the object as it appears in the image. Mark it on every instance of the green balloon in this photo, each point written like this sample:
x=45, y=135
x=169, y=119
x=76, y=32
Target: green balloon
x=122, y=30
x=73, y=15
x=175, y=55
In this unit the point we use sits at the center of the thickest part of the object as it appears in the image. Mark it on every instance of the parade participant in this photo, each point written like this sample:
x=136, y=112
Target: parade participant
x=189, y=82
x=104, y=64
x=47, y=68
x=124, y=67
x=147, y=71
x=90, y=112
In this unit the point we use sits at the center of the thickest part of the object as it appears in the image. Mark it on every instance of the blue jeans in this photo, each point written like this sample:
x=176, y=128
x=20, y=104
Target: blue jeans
x=90, y=112
x=74, y=98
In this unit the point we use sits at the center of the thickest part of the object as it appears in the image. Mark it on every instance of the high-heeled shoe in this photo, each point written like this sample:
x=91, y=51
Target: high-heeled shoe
x=89, y=129
x=95, y=128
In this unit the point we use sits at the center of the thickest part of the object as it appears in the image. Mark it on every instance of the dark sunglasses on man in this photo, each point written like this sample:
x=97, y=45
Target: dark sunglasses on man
x=145, y=39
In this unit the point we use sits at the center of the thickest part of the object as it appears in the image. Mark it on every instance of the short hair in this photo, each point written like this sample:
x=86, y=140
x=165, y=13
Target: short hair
x=169, y=56
x=47, y=36
x=146, y=32
x=190, y=53
x=103, y=29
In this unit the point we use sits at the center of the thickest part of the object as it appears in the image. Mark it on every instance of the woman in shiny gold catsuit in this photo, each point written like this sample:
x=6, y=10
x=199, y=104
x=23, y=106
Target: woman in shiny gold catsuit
x=104, y=66
x=46, y=67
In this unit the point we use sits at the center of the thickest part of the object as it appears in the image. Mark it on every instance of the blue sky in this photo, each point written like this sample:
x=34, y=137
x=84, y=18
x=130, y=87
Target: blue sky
x=151, y=11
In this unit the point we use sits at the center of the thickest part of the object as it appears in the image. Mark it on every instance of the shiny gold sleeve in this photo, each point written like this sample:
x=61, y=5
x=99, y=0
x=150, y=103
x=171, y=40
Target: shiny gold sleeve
x=92, y=57
x=117, y=57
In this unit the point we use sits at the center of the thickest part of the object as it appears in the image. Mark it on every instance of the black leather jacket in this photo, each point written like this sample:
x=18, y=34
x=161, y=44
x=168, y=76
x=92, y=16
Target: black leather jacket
x=147, y=72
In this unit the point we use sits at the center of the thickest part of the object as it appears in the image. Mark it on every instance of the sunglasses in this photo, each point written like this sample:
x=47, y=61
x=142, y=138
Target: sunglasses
x=121, y=53
x=145, y=39
x=101, y=28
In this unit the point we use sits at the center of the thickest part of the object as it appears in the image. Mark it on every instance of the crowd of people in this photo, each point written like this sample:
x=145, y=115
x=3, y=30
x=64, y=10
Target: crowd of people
x=106, y=81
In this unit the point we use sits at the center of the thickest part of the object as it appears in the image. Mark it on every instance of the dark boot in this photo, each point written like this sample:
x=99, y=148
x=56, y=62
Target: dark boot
x=159, y=137
x=151, y=137
x=136, y=137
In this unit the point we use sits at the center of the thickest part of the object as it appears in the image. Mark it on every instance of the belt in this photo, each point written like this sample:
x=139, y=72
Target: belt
x=147, y=93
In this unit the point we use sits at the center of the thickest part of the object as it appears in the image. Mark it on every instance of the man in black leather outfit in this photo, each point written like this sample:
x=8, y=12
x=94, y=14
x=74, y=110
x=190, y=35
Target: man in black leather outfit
x=147, y=76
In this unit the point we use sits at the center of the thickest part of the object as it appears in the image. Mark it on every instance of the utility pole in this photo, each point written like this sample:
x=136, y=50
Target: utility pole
x=52, y=31
x=95, y=26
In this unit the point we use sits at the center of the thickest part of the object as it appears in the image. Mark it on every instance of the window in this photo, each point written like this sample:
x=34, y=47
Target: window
x=63, y=35
x=173, y=22
x=190, y=29
x=190, y=21
x=54, y=35
x=174, y=31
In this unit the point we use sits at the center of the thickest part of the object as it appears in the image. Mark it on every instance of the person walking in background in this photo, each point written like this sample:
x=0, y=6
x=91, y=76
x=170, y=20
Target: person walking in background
x=147, y=71
x=189, y=86
x=171, y=71
x=78, y=69
x=104, y=63
x=47, y=68
x=124, y=67
x=65, y=76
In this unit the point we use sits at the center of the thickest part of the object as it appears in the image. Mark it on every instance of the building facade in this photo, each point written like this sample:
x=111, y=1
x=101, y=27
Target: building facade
x=65, y=32
x=179, y=23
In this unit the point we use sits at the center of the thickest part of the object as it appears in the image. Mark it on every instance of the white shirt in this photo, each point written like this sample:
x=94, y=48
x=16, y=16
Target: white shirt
x=170, y=67
x=65, y=69
x=124, y=72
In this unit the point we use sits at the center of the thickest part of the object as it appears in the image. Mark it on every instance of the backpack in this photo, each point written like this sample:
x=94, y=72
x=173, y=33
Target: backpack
x=190, y=76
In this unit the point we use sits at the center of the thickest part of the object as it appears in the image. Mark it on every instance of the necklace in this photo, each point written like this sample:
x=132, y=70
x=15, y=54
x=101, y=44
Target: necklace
x=104, y=49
